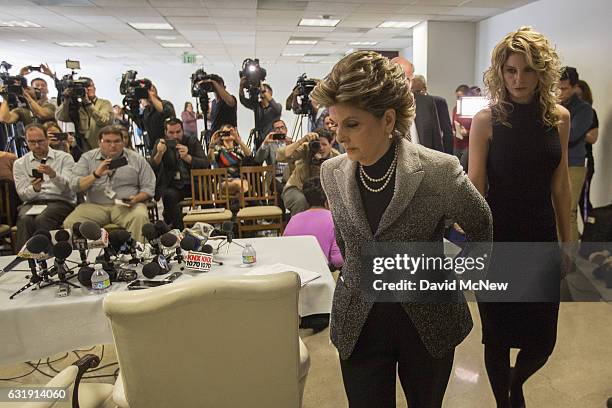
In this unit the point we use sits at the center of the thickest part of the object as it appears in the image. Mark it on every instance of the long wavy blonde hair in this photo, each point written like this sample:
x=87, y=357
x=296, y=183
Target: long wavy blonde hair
x=541, y=57
x=370, y=82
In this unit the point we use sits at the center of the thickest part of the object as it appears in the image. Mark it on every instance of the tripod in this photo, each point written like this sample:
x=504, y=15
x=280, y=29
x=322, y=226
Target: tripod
x=202, y=102
x=254, y=135
x=44, y=280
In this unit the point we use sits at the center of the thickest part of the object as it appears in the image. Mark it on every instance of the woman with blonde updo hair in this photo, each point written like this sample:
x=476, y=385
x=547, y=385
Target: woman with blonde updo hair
x=385, y=188
x=519, y=162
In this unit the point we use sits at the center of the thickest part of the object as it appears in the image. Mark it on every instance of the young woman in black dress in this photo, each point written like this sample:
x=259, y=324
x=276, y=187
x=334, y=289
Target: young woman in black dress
x=519, y=146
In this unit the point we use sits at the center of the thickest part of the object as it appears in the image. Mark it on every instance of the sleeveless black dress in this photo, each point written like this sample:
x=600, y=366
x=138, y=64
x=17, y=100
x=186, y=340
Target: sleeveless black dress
x=521, y=162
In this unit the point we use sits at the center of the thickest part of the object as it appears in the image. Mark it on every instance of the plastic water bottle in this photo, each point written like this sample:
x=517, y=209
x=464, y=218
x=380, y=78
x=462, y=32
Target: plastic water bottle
x=249, y=257
x=100, y=281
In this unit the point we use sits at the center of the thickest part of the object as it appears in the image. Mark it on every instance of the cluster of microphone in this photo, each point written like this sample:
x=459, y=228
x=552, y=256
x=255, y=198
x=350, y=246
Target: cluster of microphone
x=89, y=235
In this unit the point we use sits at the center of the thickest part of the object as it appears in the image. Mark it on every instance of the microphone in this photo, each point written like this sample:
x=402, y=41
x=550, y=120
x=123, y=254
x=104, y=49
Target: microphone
x=228, y=228
x=161, y=228
x=150, y=233
x=207, y=249
x=79, y=243
x=40, y=244
x=84, y=275
x=62, y=236
x=61, y=250
x=121, y=242
x=90, y=230
x=168, y=240
x=151, y=270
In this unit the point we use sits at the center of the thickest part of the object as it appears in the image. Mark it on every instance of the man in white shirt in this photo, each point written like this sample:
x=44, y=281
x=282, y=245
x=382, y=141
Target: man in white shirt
x=42, y=178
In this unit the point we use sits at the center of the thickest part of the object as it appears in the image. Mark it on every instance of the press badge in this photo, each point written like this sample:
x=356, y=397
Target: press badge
x=177, y=175
x=108, y=192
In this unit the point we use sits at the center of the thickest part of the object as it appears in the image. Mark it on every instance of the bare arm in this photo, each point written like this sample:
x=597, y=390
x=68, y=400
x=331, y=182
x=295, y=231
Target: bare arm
x=560, y=185
x=592, y=135
x=480, y=136
x=7, y=116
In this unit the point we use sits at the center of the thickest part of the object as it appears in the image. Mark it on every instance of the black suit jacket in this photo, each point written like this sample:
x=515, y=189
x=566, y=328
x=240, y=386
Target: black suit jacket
x=445, y=123
x=427, y=123
x=164, y=172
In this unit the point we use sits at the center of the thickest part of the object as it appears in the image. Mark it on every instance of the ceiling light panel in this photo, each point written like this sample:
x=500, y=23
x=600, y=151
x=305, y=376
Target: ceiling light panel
x=302, y=42
x=75, y=44
x=19, y=24
x=151, y=26
x=398, y=24
x=175, y=45
x=363, y=43
x=319, y=22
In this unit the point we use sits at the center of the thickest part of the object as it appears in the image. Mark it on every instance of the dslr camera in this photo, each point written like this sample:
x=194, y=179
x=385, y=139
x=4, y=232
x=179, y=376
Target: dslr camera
x=304, y=87
x=201, y=89
x=254, y=73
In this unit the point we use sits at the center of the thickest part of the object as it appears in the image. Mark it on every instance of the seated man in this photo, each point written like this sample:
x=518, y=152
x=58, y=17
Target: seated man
x=172, y=165
x=114, y=194
x=42, y=177
x=275, y=140
x=308, y=153
x=317, y=221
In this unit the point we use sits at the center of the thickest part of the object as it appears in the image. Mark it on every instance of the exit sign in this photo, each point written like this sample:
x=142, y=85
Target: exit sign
x=189, y=58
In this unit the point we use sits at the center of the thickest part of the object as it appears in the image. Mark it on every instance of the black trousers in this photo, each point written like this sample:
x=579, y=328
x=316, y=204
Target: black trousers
x=51, y=218
x=173, y=213
x=389, y=344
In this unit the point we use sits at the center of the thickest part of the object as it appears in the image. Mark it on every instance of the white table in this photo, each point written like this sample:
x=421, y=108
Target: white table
x=37, y=324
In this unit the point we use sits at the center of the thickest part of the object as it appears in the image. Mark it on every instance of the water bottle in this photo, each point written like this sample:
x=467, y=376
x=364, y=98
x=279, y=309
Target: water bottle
x=249, y=257
x=100, y=281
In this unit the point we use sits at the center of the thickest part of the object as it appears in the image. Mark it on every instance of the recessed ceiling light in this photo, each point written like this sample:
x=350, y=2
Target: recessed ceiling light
x=21, y=24
x=23, y=40
x=292, y=54
x=302, y=42
x=176, y=45
x=165, y=37
x=151, y=26
x=319, y=22
x=75, y=44
x=398, y=24
x=363, y=43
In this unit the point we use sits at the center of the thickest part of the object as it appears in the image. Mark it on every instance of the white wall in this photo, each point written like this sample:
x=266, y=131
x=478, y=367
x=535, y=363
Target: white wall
x=581, y=33
x=173, y=83
x=419, y=48
x=450, y=57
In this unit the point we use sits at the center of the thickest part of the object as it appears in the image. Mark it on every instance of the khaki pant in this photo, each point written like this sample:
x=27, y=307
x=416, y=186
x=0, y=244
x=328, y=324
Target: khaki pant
x=132, y=219
x=576, y=175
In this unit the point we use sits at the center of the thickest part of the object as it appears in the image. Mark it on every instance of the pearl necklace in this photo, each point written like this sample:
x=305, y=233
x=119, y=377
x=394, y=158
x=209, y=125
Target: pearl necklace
x=386, y=178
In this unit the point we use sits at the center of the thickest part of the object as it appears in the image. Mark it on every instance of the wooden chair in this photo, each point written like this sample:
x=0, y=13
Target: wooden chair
x=7, y=223
x=206, y=190
x=262, y=189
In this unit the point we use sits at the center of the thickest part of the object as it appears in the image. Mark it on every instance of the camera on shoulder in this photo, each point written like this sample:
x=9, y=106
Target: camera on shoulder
x=133, y=88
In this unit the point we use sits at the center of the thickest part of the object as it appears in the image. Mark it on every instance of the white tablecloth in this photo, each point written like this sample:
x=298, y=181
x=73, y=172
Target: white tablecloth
x=37, y=324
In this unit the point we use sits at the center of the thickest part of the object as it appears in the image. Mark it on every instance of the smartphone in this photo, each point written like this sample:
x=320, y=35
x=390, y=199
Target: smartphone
x=171, y=143
x=33, y=68
x=116, y=163
x=144, y=284
x=278, y=136
x=61, y=136
x=37, y=174
x=224, y=133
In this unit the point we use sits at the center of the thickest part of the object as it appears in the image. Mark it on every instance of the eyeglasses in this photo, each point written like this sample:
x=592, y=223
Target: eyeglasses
x=280, y=128
x=37, y=142
x=113, y=142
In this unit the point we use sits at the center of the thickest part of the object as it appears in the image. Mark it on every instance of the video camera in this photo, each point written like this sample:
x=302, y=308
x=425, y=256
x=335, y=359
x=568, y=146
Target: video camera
x=14, y=85
x=134, y=89
x=304, y=86
x=253, y=72
x=201, y=89
x=78, y=87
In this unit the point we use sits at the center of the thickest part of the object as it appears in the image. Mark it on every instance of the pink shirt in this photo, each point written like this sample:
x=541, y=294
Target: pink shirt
x=317, y=222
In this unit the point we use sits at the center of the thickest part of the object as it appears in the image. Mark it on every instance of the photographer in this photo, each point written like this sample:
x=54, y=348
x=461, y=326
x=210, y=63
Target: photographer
x=267, y=110
x=42, y=177
x=172, y=159
x=93, y=114
x=154, y=114
x=224, y=107
x=308, y=153
x=59, y=140
x=300, y=103
x=37, y=109
x=116, y=181
x=40, y=83
x=275, y=140
x=227, y=150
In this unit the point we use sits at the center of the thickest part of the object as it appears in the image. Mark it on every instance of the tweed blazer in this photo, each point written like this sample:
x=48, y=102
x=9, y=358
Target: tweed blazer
x=430, y=187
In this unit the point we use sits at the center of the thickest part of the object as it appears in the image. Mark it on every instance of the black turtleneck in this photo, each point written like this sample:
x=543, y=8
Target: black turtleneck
x=375, y=204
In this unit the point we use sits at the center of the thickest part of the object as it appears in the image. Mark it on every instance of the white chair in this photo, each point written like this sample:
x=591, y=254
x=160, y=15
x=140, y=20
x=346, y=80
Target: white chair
x=90, y=395
x=210, y=341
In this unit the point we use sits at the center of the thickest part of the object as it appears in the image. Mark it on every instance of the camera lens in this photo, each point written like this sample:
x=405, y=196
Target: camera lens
x=314, y=146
